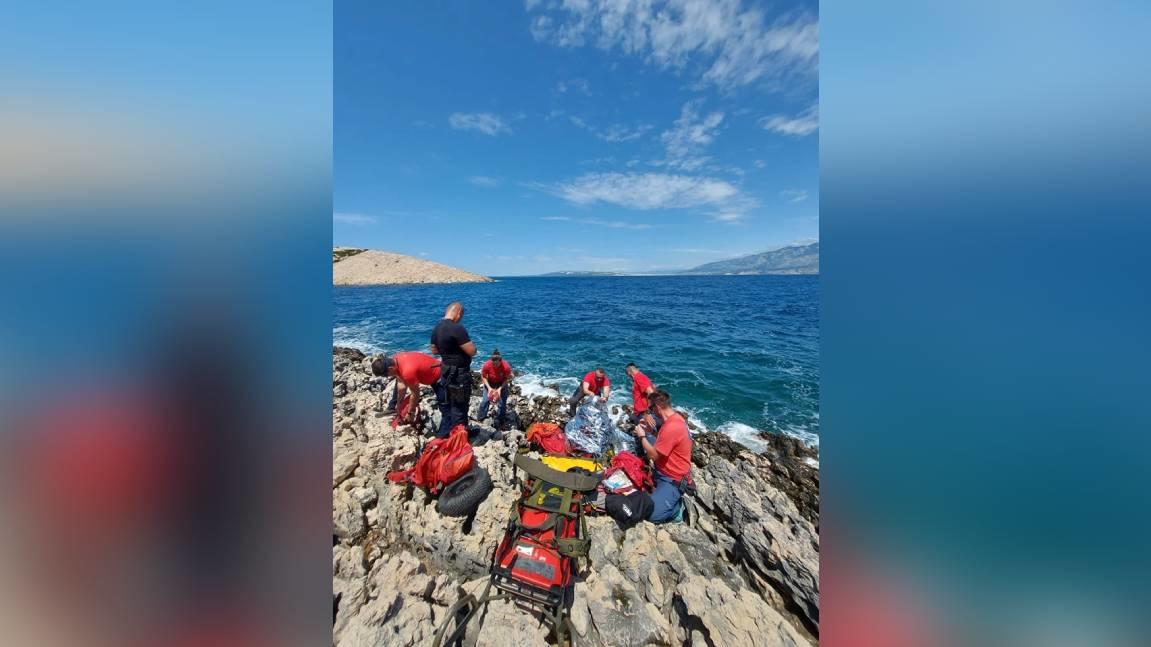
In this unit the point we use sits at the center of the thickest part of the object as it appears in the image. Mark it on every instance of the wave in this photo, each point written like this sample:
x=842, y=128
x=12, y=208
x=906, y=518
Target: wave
x=532, y=384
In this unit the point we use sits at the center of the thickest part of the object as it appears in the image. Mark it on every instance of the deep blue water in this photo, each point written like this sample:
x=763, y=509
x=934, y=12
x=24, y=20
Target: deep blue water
x=740, y=353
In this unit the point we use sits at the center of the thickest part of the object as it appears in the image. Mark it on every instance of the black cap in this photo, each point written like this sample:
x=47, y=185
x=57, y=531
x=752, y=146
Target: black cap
x=381, y=365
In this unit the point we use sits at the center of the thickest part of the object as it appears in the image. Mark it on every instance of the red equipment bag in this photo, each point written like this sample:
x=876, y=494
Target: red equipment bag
x=532, y=557
x=442, y=461
x=548, y=437
x=635, y=469
x=407, y=410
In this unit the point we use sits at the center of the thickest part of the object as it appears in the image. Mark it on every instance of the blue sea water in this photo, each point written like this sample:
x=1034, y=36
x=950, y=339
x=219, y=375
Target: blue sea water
x=739, y=353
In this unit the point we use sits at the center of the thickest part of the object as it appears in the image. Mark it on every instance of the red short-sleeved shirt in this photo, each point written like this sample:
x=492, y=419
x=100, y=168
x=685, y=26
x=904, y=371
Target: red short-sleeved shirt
x=417, y=367
x=596, y=382
x=639, y=384
x=673, y=444
x=496, y=373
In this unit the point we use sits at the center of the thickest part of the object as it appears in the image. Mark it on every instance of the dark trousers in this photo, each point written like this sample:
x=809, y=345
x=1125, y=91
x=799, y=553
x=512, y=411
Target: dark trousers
x=453, y=395
x=635, y=417
x=395, y=396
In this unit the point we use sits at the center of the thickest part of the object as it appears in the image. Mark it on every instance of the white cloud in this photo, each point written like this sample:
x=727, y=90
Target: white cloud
x=613, y=224
x=719, y=40
x=353, y=218
x=727, y=216
x=622, y=133
x=574, y=85
x=793, y=195
x=760, y=164
x=644, y=191
x=605, y=263
x=484, y=122
x=613, y=133
x=485, y=181
x=690, y=134
x=800, y=125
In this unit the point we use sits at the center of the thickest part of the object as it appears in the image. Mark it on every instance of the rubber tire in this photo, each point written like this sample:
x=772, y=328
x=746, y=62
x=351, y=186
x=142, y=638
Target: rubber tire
x=462, y=496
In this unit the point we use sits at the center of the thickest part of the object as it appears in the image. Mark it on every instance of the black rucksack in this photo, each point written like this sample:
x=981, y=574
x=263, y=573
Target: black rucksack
x=629, y=509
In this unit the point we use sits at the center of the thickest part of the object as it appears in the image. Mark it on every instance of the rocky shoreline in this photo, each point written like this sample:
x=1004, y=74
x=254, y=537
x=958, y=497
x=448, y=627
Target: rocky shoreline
x=742, y=569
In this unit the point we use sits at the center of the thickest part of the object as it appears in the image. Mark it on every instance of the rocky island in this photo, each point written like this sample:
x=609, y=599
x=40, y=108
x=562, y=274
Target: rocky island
x=742, y=569
x=355, y=266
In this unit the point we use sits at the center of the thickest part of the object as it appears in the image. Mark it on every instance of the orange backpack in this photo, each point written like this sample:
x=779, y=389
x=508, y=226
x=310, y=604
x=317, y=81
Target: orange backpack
x=548, y=437
x=442, y=461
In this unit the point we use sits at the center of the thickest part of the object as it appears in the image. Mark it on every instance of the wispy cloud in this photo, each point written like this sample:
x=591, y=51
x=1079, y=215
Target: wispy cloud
x=613, y=224
x=613, y=133
x=800, y=125
x=485, y=181
x=720, y=41
x=604, y=263
x=353, y=218
x=760, y=164
x=610, y=159
x=482, y=122
x=644, y=191
x=574, y=85
x=689, y=136
x=729, y=217
x=793, y=195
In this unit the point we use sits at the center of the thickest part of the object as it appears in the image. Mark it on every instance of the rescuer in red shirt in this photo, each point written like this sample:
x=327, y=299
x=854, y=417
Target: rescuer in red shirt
x=596, y=384
x=670, y=452
x=497, y=378
x=410, y=370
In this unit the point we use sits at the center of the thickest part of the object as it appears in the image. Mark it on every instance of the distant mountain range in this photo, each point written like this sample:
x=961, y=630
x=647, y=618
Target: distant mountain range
x=797, y=259
x=794, y=259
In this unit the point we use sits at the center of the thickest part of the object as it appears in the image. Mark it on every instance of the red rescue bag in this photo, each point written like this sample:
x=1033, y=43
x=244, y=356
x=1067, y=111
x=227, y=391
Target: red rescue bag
x=404, y=411
x=548, y=437
x=442, y=461
x=635, y=469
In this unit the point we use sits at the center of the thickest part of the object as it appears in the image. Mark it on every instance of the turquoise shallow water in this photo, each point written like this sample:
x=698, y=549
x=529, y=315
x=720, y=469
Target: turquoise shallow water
x=741, y=353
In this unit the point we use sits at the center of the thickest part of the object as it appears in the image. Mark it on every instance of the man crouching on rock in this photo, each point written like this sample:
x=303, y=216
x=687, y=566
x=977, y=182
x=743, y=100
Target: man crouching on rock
x=671, y=455
x=410, y=370
x=451, y=342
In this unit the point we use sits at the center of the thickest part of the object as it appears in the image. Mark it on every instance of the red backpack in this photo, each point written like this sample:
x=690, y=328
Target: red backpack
x=548, y=437
x=442, y=461
x=635, y=469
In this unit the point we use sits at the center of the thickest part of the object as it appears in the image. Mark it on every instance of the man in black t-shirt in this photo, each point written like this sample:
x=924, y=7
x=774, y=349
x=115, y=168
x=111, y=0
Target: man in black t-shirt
x=451, y=342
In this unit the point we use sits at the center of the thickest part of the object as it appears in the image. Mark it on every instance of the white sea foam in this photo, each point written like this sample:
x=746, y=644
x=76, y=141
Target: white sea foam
x=532, y=385
x=808, y=438
x=745, y=435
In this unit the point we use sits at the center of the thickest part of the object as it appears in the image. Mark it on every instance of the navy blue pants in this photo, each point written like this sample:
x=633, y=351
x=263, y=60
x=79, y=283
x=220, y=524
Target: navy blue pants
x=483, y=413
x=665, y=499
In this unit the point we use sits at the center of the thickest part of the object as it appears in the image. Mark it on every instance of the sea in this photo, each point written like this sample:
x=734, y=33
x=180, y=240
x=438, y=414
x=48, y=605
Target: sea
x=739, y=353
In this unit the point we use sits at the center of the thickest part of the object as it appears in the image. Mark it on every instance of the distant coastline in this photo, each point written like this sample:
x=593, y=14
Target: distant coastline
x=792, y=260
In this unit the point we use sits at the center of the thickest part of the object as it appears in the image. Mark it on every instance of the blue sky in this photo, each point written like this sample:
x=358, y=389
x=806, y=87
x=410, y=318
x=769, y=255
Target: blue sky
x=522, y=138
